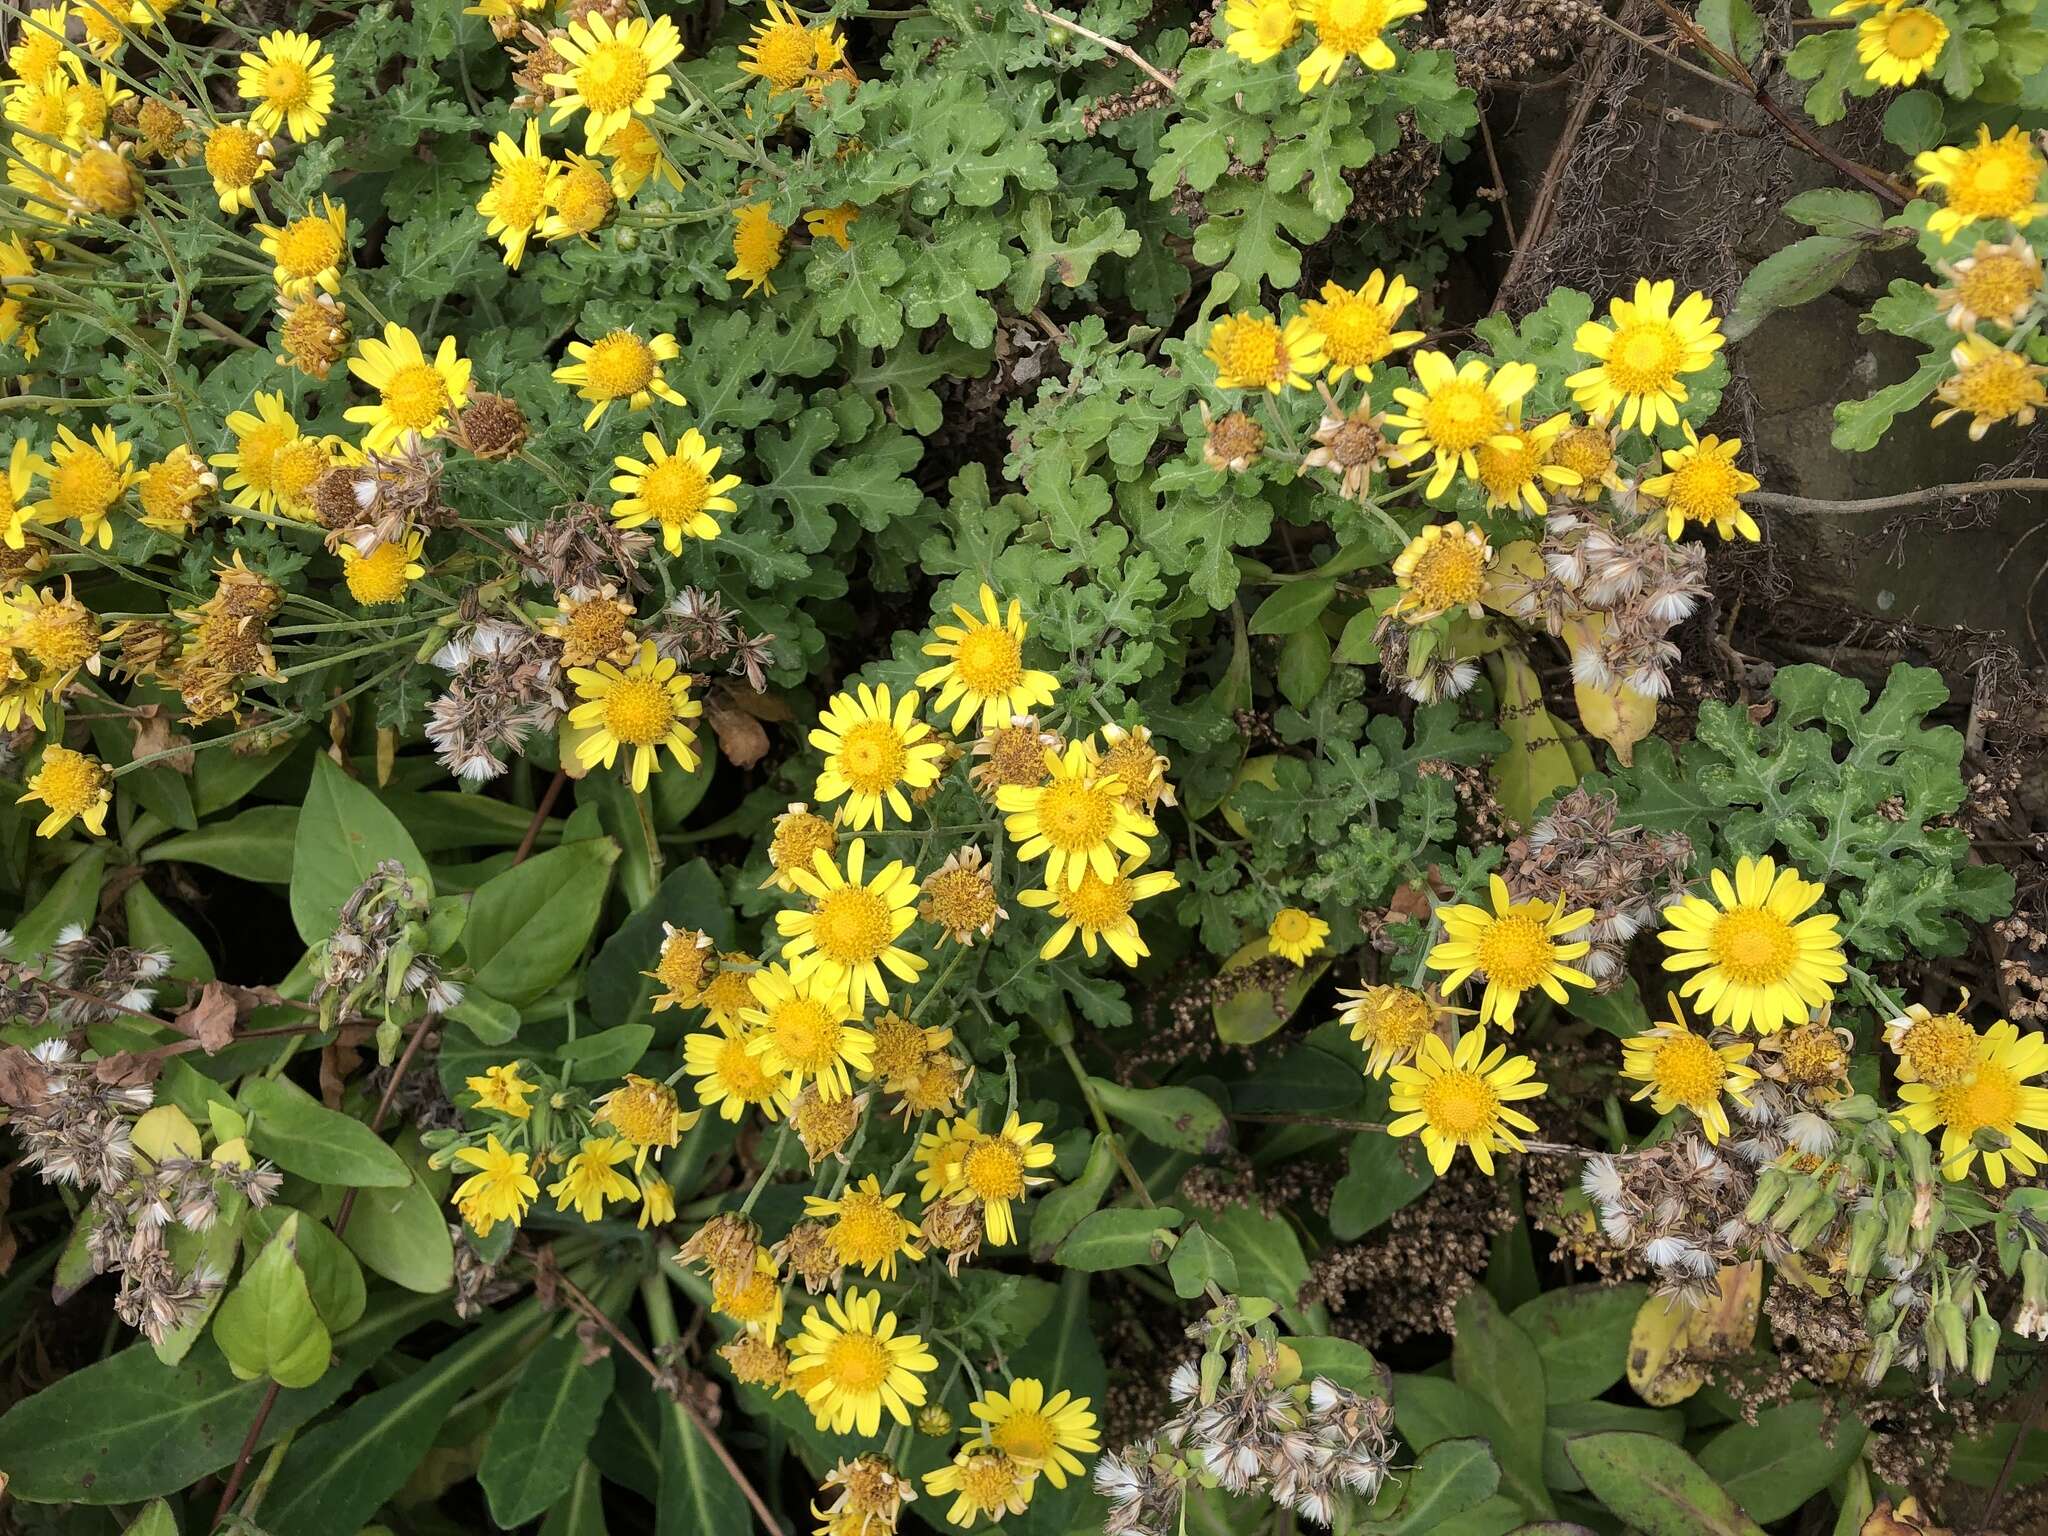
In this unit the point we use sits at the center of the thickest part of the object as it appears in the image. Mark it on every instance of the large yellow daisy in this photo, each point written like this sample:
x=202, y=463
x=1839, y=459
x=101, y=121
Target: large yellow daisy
x=850, y=1364
x=414, y=395
x=1703, y=486
x=1098, y=911
x=1683, y=1070
x=1900, y=44
x=873, y=754
x=866, y=1228
x=677, y=491
x=1453, y=410
x=1641, y=352
x=516, y=201
x=1757, y=962
x=786, y=52
x=982, y=666
x=804, y=1031
x=1356, y=325
x=272, y=465
x=1460, y=1099
x=848, y=935
x=731, y=1078
x=1995, y=1097
x=1514, y=948
x=639, y=709
x=1997, y=179
x=1077, y=820
x=612, y=73
x=1347, y=29
x=620, y=366
x=1036, y=1430
x=292, y=83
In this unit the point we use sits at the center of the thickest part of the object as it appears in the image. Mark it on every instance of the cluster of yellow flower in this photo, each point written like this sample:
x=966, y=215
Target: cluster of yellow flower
x=1343, y=29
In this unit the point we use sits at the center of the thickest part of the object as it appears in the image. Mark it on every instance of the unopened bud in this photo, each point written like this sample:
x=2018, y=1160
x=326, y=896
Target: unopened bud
x=1770, y=1188
x=1866, y=1231
x=1984, y=1333
x=1799, y=1199
x=1945, y=1318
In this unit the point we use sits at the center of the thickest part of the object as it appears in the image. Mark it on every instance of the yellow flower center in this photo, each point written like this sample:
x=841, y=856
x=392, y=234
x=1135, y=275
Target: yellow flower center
x=168, y=489
x=783, y=54
x=872, y=756
x=379, y=577
x=1586, y=451
x=1076, y=814
x=867, y=1231
x=69, y=782
x=1704, y=487
x=593, y=628
x=1689, y=1070
x=518, y=193
x=1515, y=951
x=47, y=113
x=309, y=246
x=1754, y=946
x=1028, y=1437
x=1988, y=1100
x=1460, y=1104
x=1941, y=1049
x=1999, y=287
x=643, y=1113
x=899, y=1047
x=1096, y=903
x=1449, y=575
x=1812, y=1055
x=1911, y=33
x=756, y=243
x=989, y=660
x=727, y=992
x=1350, y=25
x=104, y=182
x=1644, y=357
x=1460, y=416
x=297, y=464
x=1354, y=331
x=619, y=365
x=675, y=490
x=86, y=486
x=1504, y=471
x=681, y=965
x=856, y=1363
x=751, y=1300
x=1995, y=180
x=287, y=84
x=59, y=636
x=1016, y=755
x=960, y=901
x=1290, y=925
x=232, y=158
x=993, y=1169
x=798, y=835
x=2001, y=385
x=1250, y=348
x=741, y=1072
x=611, y=76
x=639, y=711
x=851, y=925
x=416, y=396
x=584, y=198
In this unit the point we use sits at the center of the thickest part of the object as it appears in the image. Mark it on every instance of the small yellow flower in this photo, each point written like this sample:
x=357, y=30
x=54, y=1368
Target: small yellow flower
x=1939, y=1049
x=171, y=490
x=591, y=1177
x=1516, y=947
x=237, y=157
x=868, y=1229
x=1989, y=1112
x=803, y=1030
x=645, y=1115
x=756, y=247
x=637, y=709
x=799, y=833
x=834, y=224
x=752, y=1298
x=620, y=366
x=1254, y=351
x=1992, y=385
x=1453, y=411
x=677, y=491
x=637, y=158
x=580, y=200
x=39, y=41
x=309, y=252
x=959, y=898
x=1460, y=1099
x=1996, y=283
x=502, y=1089
x=593, y=626
x=1704, y=487
x=500, y=1190
x=1098, y=911
x=1518, y=468
x=273, y=465
x=851, y=1365
x=1260, y=29
x=83, y=481
x=1758, y=961
x=786, y=52
x=848, y=936
x=1348, y=29
x=612, y=73
x=1900, y=44
x=1038, y=1431
x=982, y=666
x=985, y=1483
x=14, y=487
x=657, y=1202
x=414, y=395
x=1076, y=820
x=1681, y=1069
x=1641, y=350
x=73, y=786
x=1996, y=179
x=998, y=1169
x=292, y=83
x=1389, y=1021
x=1591, y=452
x=516, y=201
x=1295, y=935
x=383, y=576
x=873, y=753
x=1356, y=325
x=730, y=1076
x=1443, y=570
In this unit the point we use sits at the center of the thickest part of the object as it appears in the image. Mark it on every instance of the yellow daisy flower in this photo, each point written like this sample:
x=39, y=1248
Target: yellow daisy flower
x=292, y=83
x=1900, y=44
x=1995, y=1098
x=982, y=666
x=500, y=1190
x=803, y=1030
x=867, y=1228
x=637, y=158
x=591, y=1177
x=1992, y=385
x=1098, y=911
x=851, y=1365
x=384, y=575
x=237, y=157
x=273, y=465
x=873, y=754
x=171, y=490
x=1703, y=486
x=848, y=935
x=730, y=991
x=74, y=787
x=1076, y=820
x=1518, y=468
x=985, y=1483
x=1037, y=1431
x=1593, y=453
x=1254, y=351
x=83, y=481
x=645, y=1115
x=1514, y=948
x=1442, y=570
x=1356, y=325
x=516, y=201
x=799, y=833
x=1681, y=1069
x=1389, y=1022
x=1642, y=353
x=679, y=490
x=786, y=52
x=682, y=964
x=730, y=1077
x=639, y=709
x=620, y=366
x=1939, y=1049
x=751, y=1297
x=580, y=200
x=997, y=1169
x=503, y=1090
x=756, y=247
x=1758, y=962
x=1991, y=179
x=39, y=42
x=1295, y=935
x=612, y=73
x=1460, y=1099
x=1453, y=410
x=1998, y=283
x=657, y=1202
x=1260, y=29
x=834, y=224
x=413, y=394
x=939, y=1153
x=308, y=253
x=1349, y=29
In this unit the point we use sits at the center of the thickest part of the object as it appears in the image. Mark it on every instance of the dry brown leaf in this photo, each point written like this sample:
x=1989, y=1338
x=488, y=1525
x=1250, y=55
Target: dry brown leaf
x=153, y=735
x=22, y=1078
x=212, y=1017
x=126, y=1069
x=741, y=737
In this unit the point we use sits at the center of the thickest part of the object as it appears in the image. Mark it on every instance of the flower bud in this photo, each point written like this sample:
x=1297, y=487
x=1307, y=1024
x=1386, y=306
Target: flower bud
x=1984, y=1332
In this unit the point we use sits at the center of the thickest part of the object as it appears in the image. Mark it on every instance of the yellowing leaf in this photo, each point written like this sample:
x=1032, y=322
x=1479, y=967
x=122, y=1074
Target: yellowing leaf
x=165, y=1132
x=1246, y=1017
x=1617, y=714
x=1672, y=1339
x=1538, y=761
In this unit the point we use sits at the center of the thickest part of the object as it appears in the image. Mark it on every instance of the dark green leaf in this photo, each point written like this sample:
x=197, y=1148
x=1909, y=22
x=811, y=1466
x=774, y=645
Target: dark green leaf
x=303, y=1136
x=343, y=833
x=528, y=926
x=1654, y=1486
x=1117, y=1238
x=537, y=1444
x=1791, y=1453
x=1581, y=1332
x=1494, y=1360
